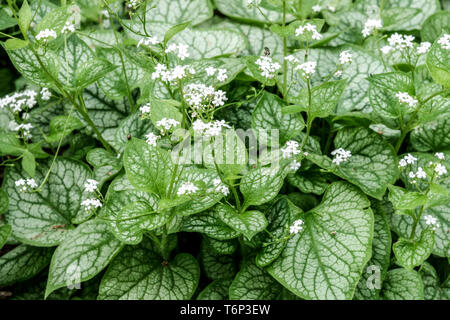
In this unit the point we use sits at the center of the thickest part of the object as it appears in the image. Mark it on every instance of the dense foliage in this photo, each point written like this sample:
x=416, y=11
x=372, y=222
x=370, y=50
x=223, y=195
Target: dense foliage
x=225, y=149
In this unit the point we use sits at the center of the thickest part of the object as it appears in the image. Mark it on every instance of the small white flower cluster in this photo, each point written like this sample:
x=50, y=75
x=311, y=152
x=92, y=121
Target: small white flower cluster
x=167, y=124
x=340, y=155
x=220, y=187
x=440, y=155
x=148, y=41
x=420, y=174
x=201, y=97
x=145, y=111
x=221, y=73
x=370, y=26
x=177, y=73
x=309, y=28
x=45, y=94
x=187, y=188
x=290, y=58
x=331, y=8
x=25, y=128
x=404, y=97
x=295, y=165
x=18, y=100
x=69, y=27
x=308, y=68
x=210, y=129
x=296, y=227
x=440, y=169
x=90, y=204
x=431, y=221
x=292, y=148
x=133, y=4
x=46, y=34
x=90, y=185
x=316, y=8
x=345, y=57
x=444, y=41
x=423, y=47
x=151, y=139
x=408, y=159
x=180, y=49
x=267, y=67
x=26, y=184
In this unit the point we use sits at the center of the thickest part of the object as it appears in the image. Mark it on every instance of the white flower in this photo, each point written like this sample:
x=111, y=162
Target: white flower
x=145, y=110
x=400, y=42
x=291, y=59
x=26, y=185
x=167, y=124
x=370, y=26
x=201, y=97
x=210, y=129
x=439, y=155
x=291, y=149
x=410, y=159
x=187, y=188
x=423, y=47
x=267, y=67
x=345, y=57
x=220, y=187
x=45, y=94
x=440, y=169
x=340, y=155
x=444, y=41
x=296, y=227
x=148, y=41
x=46, y=35
x=182, y=50
x=308, y=68
x=133, y=4
x=404, y=97
x=402, y=163
x=19, y=100
x=310, y=28
x=420, y=174
x=331, y=8
x=68, y=27
x=90, y=185
x=222, y=74
x=159, y=69
x=294, y=166
x=151, y=139
x=338, y=74
x=431, y=221
x=91, y=203
x=316, y=8
x=210, y=71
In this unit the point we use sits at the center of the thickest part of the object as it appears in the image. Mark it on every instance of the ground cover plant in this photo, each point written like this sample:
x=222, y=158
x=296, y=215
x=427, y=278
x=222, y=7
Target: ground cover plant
x=226, y=149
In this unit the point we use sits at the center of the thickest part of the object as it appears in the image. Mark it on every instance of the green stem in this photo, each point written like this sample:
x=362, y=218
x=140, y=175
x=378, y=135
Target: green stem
x=164, y=244
x=284, y=52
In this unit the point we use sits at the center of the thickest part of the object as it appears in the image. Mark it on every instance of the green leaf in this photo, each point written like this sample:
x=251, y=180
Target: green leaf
x=28, y=163
x=438, y=62
x=281, y=214
x=411, y=253
x=425, y=7
x=217, y=266
x=79, y=65
x=432, y=288
x=174, y=30
x=215, y=42
x=44, y=218
x=411, y=200
x=117, y=207
x=394, y=18
x=261, y=184
x=132, y=126
x=221, y=246
x=402, y=284
x=216, y=290
x=179, y=11
x=14, y=44
x=24, y=17
x=5, y=232
x=325, y=260
x=4, y=201
x=59, y=123
x=28, y=65
x=137, y=273
x=308, y=181
x=210, y=224
x=267, y=116
x=148, y=168
x=374, y=272
x=373, y=163
x=6, y=21
x=248, y=223
x=10, y=145
x=435, y=25
x=163, y=109
x=253, y=283
x=23, y=263
x=239, y=10
x=324, y=98
x=434, y=136
x=106, y=165
x=82, y=255
x=54, y=19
